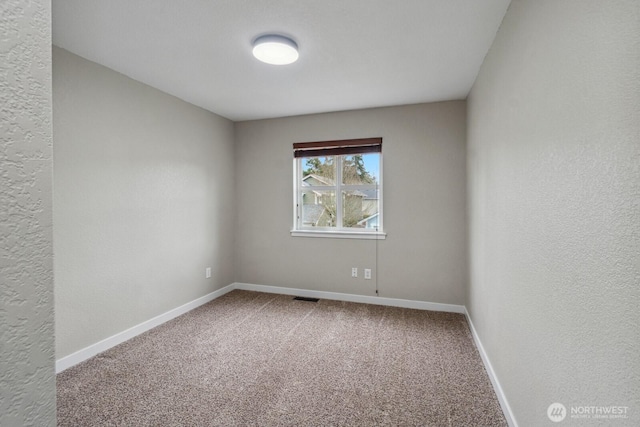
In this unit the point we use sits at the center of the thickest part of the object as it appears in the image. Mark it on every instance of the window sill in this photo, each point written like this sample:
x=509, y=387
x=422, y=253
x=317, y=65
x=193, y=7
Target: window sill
x=373, y=235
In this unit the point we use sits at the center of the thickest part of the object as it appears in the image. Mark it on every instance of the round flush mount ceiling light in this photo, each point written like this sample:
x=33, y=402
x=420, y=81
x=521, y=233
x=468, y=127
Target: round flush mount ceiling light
x=276, y=50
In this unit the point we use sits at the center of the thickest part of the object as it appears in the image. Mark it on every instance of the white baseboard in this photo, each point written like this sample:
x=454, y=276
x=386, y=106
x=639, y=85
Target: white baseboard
x=504, y=404
x=88, y=352
x=366, y=299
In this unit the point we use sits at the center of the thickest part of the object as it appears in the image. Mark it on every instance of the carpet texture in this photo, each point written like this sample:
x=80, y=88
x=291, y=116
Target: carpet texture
x=257, y=359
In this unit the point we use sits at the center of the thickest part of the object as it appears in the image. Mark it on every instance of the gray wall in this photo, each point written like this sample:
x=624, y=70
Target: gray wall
x=554, y=182
x=424, y=255
x=143, y=202
x=27, y=381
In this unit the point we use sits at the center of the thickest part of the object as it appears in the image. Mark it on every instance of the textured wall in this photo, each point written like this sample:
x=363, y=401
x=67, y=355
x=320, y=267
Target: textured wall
x=27, y=382
x=143, y=202
x=554, y=183
x=424, y=255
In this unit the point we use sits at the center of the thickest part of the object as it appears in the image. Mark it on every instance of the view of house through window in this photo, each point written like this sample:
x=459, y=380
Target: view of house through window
x=339, y=192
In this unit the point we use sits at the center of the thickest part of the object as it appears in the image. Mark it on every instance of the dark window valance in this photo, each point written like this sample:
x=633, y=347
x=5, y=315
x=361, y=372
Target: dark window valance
x=336, y=148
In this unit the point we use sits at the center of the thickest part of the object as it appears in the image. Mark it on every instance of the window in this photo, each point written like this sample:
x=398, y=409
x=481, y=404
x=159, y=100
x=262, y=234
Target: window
x=338, y=188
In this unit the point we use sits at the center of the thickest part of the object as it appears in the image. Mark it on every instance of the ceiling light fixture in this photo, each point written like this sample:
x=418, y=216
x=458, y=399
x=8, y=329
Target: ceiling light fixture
x=276, y=50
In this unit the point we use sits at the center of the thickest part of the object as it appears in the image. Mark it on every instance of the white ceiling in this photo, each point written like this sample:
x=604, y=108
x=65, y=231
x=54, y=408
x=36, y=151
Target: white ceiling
x=353, y=53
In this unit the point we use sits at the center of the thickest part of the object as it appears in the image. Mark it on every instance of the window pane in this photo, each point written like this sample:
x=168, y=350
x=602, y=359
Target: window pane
x=318, y=171
x=318, y=208
x=361, y=169
x=360, y=209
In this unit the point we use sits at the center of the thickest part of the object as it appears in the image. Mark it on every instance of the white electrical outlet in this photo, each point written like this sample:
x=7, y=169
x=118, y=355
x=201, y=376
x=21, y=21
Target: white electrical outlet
x=354, y=272
x=367, y=273
x=207, y=273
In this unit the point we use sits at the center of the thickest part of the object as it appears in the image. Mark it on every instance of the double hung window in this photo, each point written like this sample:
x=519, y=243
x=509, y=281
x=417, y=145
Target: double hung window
x=338, y=188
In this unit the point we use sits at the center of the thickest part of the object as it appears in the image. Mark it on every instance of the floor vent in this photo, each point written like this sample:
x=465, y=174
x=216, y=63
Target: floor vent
x=307, y=299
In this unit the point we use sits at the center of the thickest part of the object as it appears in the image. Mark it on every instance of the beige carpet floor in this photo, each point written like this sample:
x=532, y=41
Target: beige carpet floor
x=257, y=359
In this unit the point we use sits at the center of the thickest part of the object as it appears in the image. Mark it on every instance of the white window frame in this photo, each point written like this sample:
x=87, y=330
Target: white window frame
x=299, y=230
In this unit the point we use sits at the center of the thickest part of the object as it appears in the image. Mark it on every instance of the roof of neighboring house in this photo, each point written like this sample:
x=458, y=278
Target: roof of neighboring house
x=368, y=218
x=371, y=194
x=311, y=213
x=323, y=179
